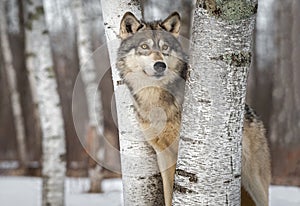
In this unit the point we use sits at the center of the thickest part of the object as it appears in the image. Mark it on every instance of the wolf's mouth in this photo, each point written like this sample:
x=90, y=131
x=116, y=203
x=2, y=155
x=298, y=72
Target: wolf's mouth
x=158, y=75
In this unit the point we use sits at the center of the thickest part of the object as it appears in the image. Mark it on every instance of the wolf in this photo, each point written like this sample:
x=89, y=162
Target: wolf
x=153, y=65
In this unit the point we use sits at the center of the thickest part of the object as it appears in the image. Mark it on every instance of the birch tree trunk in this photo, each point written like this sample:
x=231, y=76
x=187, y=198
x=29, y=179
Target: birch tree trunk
x=15, y=31
x=111, y=156
x=108, y=155
x=11, y=77
x=86, y=13
x=87, y=66
x=157, y=10
x=40, y=63
x=61, y=23
x=209, y=160
x=7, y=126
x=140, y=175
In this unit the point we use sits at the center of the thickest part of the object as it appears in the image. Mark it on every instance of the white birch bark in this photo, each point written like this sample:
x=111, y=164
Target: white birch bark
x=26, y=85
x=87, y=66
x=265, y=48
x=140, y=174
x=12, y=16
x=209, y=160
x=157, y=9
x=12, y=84
x=40, y=63
x=13, y=13
x=88, y=73
x=61, y=23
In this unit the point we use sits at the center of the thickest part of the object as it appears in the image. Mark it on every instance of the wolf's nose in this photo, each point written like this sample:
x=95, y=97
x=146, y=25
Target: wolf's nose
x=160, y=67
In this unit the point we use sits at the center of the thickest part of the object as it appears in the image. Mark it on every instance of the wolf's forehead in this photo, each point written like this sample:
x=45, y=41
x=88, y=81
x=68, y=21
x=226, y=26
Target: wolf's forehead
x=154, y=36
x=163, y=36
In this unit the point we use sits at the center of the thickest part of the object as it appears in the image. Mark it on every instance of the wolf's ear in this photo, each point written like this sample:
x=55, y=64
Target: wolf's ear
x=129, y=25
x=172, y=24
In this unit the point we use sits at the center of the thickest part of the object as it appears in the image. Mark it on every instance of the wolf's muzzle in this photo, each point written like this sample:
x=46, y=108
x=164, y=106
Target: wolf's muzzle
x=160, y=67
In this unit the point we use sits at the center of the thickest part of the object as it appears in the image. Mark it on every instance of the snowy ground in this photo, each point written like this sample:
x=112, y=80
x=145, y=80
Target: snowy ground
x=15, y=191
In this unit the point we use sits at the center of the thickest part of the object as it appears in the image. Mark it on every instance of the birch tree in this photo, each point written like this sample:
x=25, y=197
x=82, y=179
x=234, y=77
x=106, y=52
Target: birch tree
x=88, y=74
x=88, y=15
x=15, y=32
x=140, y=175
x=88, y=70
x=156, y=9
x=61, y=24
x=39, y=62
x=111, y=156
x=11, y=77
x=209, y=160
x=7, y=125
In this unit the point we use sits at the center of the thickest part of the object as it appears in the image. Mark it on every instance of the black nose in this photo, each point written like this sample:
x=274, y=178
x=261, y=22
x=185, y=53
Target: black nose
x=160, y=67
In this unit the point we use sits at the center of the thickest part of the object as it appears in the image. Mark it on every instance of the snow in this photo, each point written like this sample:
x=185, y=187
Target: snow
x=283, y=195
x=26, y=191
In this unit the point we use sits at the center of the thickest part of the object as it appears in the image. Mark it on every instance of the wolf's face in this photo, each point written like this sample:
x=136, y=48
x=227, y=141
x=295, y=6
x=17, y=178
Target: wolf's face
x=150, y=53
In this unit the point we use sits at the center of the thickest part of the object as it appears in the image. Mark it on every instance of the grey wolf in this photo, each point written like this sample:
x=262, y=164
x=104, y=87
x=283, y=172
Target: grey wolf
x=153, y=65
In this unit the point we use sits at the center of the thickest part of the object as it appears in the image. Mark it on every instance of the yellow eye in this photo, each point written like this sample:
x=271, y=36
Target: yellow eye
x=165, y=47
x=144, y=46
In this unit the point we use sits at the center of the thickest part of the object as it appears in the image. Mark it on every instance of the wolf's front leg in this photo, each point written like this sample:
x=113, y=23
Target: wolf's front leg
x=164, y=159
x=165, y=143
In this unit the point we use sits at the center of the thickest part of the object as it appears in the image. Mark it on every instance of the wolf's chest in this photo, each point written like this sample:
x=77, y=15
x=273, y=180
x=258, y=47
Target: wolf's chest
x=150, y=97
x=155, y=101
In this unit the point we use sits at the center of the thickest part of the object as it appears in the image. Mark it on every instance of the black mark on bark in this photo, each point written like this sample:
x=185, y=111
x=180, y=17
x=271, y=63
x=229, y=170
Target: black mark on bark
x=236, y=59
x=182, y=189
x=192, y=177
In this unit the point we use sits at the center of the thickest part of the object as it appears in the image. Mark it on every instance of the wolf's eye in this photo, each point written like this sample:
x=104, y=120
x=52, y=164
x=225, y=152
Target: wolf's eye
x=165, y=47
x=144, y=46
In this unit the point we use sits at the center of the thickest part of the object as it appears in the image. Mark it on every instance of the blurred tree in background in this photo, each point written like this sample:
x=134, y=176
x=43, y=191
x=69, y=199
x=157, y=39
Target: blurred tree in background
x=274, y=88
